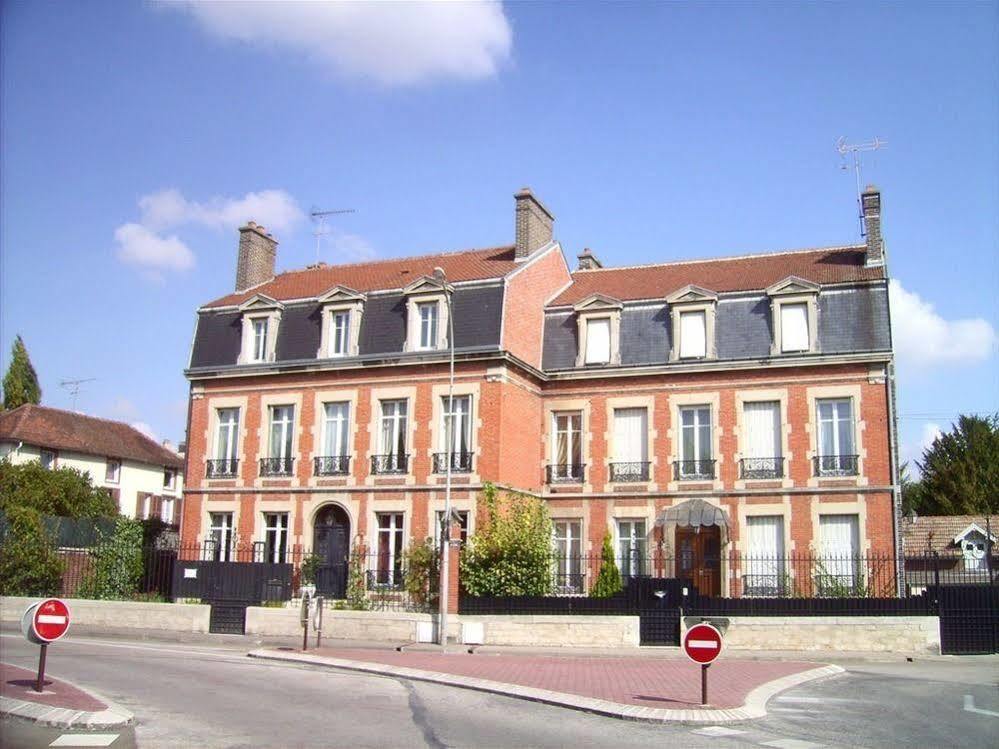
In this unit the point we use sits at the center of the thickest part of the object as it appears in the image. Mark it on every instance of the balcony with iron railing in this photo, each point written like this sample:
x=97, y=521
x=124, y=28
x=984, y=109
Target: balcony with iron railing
x=761, y=468
x=277, y=466
x=835, y=465
x=565, y=473
x=693, y=470
x=393, y=463
x=461, y=462
x=331, y=465
x=634, y=471
x=222, y=468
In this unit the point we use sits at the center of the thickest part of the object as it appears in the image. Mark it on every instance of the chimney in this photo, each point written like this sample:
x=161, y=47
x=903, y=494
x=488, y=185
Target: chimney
x=870, y=201
x=588, y=261
x=257, y=250
x=534, y=223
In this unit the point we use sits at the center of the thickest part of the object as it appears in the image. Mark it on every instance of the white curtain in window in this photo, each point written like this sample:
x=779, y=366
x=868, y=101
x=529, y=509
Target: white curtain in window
x=794, y=327
x=836, y=427
x=839, y=543
x=598, y=341
x=692, y=335
x=335, y=436
x=765, y=562
x=630, y=435
x=761, y=422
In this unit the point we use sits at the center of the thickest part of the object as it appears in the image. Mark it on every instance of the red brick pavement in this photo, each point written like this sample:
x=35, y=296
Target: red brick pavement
x=18, y=683
x=647, y=682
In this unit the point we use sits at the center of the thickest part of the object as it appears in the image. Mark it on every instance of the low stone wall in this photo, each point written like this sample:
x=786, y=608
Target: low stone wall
x=173, y=617
x=387, y=626
x=557, y=631
x=897, y=634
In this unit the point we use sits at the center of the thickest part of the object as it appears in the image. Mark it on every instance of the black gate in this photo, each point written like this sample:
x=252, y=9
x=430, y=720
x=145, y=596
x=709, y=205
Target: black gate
x=969, y=618
x=657, y=601
x=331, y=548
x=229, y=587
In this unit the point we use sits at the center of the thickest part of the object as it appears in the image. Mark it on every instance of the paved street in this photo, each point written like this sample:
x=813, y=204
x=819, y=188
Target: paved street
x=197, y=695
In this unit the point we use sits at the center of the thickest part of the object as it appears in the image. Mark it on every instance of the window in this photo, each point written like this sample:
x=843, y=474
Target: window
x=167, y=509
x=259, y=352
x=393, y=436
x=836, y=443
x=630, y=445
x=456, y=435
x=693, y=335
x=226, y=446
x=389, y=548
x=794, y=327
x=282, y=433
x=340, y=333
x=428, y=324
x=567, y=539
x=567, y=448
x=169, y=478
x=764, y=575
x=336, y=425
x=598, y=340
x=973, y=551
x=695, y=443
x=220, y=536
x=631, y=547
x=47, y=458
x=441, y=532
x=275, y=537
x=839, y=545
x=761, y=457
x=112, y=471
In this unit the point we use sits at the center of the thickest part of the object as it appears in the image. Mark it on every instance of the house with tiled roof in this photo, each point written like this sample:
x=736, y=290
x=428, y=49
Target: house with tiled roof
x=144, y=477
x=950, y=549
x=756, y=389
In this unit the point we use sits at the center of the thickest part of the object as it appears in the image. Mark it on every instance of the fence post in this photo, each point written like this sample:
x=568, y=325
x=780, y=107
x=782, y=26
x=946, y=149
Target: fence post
x=452, y=568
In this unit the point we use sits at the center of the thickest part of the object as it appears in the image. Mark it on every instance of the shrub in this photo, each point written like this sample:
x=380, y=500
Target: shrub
x=609, y=578
x=29, y=564
x=63, y=492
x=117, y=564
x=310, y=568
x=357, y=584
x=511, y=552
x=422, y=571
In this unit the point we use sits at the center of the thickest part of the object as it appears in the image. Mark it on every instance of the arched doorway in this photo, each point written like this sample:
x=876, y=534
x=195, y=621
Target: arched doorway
x=697, y=527
x=331, y=543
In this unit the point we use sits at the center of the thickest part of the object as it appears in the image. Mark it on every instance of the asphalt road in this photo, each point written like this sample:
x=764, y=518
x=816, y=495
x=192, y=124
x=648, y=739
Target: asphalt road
x=194, y=695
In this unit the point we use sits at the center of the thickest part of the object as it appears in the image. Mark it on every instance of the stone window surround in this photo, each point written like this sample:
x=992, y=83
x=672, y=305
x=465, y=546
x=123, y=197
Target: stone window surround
x=350, y=504
x=435, y=504
x=598, y=307
x=793, y=290
x=817, y=393
x=707, y=398
x=214, y=505
x=256, y=308
x=377, y=395
x=320, y=398
x=743, y=397
x=212, y=432
x=582, y=405
x=356, y=311
x=744, y=511
x=413, y=319
x=378, y=507
x=819, y=507
x=266, y=506
x=693, y=299
x=436, y=426
x=264, y=432
x=637, y=401
x=636, y=514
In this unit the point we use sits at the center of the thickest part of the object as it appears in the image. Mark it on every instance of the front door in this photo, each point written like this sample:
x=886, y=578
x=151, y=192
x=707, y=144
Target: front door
x=330, y=544
x=698, y=552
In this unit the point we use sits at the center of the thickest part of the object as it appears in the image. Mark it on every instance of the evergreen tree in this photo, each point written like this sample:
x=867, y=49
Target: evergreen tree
x=609, y=578
x=20, y=384
x=961, y=469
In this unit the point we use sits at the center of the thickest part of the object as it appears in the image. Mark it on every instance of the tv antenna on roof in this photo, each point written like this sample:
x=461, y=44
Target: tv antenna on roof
x=320, y=218
x=73, y=386
x=855, y=149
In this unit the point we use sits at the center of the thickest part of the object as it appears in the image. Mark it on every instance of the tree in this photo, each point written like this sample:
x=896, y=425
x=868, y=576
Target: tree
x=20, y=384
x=64, y=492
x=960, y=470
x=116, y=564
x=912, y=492
x=511, y=551
x=609, y=578
x=29, y=563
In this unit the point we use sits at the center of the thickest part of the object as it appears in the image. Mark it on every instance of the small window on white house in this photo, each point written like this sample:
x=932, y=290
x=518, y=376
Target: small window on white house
x=259, y=352
x=428, y=324
x=693, y=335
x=47, y=459
x=598, y=342
x=340, y=333
x=794, y=327
x=974, y=554
x=112, y=472
x=169, y=478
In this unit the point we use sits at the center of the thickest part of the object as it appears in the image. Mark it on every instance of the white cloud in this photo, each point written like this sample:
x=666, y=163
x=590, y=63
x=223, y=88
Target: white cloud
x=348, y=248
x=145, y=429
x=393, y=43
x=123, y=408
x=274, y=209
x=923, y=338
x=913, y=452
x=930, y=433
x=139, y=246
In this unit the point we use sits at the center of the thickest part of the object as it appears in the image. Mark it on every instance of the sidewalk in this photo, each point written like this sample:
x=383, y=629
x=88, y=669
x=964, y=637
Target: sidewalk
x=652, y=688
x=59, y=704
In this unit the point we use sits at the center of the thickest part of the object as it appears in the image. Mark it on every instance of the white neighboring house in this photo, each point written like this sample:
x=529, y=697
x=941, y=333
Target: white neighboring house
x=142, y=476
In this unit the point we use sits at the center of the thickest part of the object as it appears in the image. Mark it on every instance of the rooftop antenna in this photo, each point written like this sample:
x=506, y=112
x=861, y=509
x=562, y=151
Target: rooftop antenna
x=320, y=218
x=855, y=149
x=73, y=386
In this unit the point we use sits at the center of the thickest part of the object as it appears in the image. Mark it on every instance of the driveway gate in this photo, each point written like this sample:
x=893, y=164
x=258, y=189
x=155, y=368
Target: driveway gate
x=969, y=618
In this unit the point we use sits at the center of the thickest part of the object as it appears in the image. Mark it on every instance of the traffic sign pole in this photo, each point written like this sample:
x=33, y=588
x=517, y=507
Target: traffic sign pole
x=704, y=683
x=40, y=681
x=703, y=644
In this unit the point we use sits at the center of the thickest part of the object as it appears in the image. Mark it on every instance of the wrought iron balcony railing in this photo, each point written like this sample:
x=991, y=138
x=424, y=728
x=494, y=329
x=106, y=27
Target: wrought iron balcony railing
x=634, y=471
x=222, y=468
x=331, y=465
x=566, y=473
x=460, y=462
x=761, y=468
x=693, y=470
x=388, y=464
x=835, y=465
x=277, y=466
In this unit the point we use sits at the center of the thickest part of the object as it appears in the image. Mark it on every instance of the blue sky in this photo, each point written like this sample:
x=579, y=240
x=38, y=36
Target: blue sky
x=136, y=136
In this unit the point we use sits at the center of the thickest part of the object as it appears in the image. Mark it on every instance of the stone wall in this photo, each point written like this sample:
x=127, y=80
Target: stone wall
x=112, y=615
x=556, y=631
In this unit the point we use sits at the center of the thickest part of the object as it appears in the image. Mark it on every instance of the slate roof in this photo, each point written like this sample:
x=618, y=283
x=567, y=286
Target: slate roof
x=746, y=273
x=395, y=273
x=55, y=429
x=936, y=533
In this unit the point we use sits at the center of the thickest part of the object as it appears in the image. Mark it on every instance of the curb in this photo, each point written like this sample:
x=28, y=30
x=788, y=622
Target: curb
x=753, y=707
x=113, y=716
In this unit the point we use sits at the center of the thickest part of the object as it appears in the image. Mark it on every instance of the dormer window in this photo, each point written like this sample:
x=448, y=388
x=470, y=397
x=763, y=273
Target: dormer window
x=598, y=340
x=261, y=317
x=692, y=313
x=259, y=338
x=340, y=324
x=599, y=324
x=794, y=310
x=342, y=309
x=426, y=315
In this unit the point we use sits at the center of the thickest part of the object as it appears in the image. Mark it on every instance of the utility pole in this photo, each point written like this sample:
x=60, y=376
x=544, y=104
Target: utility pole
x=449, y=432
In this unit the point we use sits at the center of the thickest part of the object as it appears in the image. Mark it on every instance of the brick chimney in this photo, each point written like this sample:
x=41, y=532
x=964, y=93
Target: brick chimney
x=534, y=223
x=588, y=261
x=870, y=201
x=257, y=251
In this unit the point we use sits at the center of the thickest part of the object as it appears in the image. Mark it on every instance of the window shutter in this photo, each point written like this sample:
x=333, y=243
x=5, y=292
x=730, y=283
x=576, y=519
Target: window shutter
x=693, y=341
x=156, y=508
x=598, y=341
x=794, y=327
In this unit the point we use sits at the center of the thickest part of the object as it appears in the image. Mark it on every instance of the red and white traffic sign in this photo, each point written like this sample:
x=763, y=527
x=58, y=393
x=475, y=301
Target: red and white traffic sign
x=45, y=621
x=702, y=643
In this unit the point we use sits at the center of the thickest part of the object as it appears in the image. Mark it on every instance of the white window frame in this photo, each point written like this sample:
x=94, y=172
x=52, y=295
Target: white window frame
x=686, y=300
x=221, y=533
x=567, y=544
x=836, y=449
x=53, y=459
x=399, y=420
x=793, y=291
x=464, y=418
x=788, y=342
x=112, y=476
x=598, y=352
x=172, y=474
x=276, y=525
x=463, y=516
x=231, y=428
x=698, y=440
x=395, y=534
x=259, y=327
x=339, y=332
x=285, y=447
x=689, y=348
x=574, y=441
x=339, y=426
x=598, y=307
x=339, y=300
x=638, y=545
x=765, y=568
x=428, y=325
x=259, y=309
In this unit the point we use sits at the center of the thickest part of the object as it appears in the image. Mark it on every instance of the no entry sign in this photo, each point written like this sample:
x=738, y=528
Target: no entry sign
x=45, y=621
x=702, y=644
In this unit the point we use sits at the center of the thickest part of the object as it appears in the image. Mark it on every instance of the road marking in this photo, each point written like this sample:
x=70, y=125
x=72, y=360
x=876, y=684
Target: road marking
x=814, y=700
x=85, y=739
x=791, y=744
x=969, y=705
x=716, y=731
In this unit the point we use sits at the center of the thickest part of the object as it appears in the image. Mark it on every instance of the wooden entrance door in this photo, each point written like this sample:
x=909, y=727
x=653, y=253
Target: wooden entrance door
x=698, y=557
x=330, y=543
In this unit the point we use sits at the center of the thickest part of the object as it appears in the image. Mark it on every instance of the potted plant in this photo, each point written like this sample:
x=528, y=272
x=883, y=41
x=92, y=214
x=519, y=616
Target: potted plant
x=310, y=568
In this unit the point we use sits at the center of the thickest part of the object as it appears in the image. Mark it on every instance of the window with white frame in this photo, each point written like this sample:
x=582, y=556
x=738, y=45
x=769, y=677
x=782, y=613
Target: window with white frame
x=695, y=443
x=394, y=436
x=275, y=537
x=227, y=439
x=761, y=448
x=631, y=433
x=220, y=536
x=973, y=549
x=764, y=563
x=336, y=429
x=282, y=432
x=339, y=333
x=632, y=546
x=567, y=446
x=259, y=326
x=836, y=447
x=112, y=471
x=598, y=340
x=390, y=529
x=456, y=435
x=839, y=547
x=794, y=335
x=428, y=314
x=693, y=335
x=47, y=458
x=167, y=507
x=441, y=533
x=567, y=539
x=169, y=478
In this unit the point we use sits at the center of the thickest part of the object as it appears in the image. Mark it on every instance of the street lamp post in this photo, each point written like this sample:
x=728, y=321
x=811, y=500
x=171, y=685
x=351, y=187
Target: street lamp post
x=448, y=442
